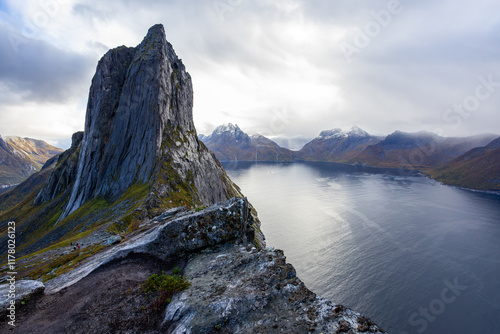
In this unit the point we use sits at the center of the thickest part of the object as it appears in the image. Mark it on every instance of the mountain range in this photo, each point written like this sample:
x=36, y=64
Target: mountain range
x=21, y=157
x=424, y=151
x=421, y=150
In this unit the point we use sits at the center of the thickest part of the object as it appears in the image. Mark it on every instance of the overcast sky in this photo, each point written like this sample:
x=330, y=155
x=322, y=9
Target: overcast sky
x=279, y=68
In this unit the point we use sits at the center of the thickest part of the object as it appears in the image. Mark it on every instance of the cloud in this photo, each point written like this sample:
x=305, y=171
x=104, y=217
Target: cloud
x=252, y=61
x=37, y=71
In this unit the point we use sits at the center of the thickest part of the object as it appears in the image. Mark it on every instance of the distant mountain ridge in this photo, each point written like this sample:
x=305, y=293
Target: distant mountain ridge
x=478, y=168
x=420, y=150
x=338, y=146
x=424, y=151
x=21, y=157
x=229, y=143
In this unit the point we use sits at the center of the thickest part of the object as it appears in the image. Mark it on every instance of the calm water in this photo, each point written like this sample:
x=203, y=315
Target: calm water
x=413, y=255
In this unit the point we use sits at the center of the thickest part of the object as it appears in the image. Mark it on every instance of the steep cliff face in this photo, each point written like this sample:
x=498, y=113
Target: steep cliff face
x=138, y=156
x=64, y=173
x=139, y=130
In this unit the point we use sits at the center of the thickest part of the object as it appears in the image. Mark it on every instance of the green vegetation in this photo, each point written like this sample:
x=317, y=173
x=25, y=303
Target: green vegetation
x=181, y=192
x=117, y=227
x=58, y=265
x=162, y=287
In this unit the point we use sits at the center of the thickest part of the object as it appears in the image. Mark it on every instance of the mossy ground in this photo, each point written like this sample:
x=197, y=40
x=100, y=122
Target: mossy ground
x=97, y=216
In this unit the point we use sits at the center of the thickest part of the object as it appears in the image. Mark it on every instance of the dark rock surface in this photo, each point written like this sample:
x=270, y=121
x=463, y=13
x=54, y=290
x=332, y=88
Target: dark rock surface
x=139, y=154
x=64, y=174
x=238, y=289
x=23, y=291
x=170, y=238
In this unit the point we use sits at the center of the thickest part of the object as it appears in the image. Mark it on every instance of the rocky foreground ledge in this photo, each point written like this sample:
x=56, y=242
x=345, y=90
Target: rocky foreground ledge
x=236, y=286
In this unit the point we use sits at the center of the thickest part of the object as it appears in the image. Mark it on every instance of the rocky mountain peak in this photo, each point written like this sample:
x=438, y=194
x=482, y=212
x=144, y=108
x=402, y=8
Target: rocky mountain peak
x=139, y=130
x=229, y=128
x=334, y=133
x=356, y=131
x=337, y=133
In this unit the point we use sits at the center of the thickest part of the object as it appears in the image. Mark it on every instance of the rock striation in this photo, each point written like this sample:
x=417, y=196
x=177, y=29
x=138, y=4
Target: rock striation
x=64, y=174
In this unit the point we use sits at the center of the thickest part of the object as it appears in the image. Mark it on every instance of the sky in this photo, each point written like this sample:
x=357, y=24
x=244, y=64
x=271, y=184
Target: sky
x=279, y=68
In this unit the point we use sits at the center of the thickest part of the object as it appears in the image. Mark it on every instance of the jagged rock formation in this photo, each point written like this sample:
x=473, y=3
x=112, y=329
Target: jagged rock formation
x=230, y=143
x=21, y=157
x=64, y=175
x=478, y=169
x=139, y=129
x=337, y=145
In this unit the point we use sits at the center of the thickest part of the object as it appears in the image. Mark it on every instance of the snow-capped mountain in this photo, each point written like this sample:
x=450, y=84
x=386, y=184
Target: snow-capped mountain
x=229, y=143
x=338, y=145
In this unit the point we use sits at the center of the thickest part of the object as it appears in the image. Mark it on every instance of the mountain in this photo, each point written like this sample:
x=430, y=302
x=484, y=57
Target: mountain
x=21, y=157
x=478, y=168
x=337, y=145
x=229, y=143
x=139, y=153
x=421, y=150
x=137, y=228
